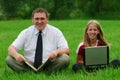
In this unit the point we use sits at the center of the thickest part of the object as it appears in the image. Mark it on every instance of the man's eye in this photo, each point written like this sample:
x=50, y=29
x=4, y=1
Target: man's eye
x=42, y=18
x=36, y=18
x=39, y=18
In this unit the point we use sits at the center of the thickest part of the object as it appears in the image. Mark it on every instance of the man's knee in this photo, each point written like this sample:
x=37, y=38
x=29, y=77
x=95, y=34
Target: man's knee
x=9, y=60
x=60, y=62
x=16, y=66
x=64, y=59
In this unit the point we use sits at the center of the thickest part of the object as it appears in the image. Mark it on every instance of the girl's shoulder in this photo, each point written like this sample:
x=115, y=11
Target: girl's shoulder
x=81, y=45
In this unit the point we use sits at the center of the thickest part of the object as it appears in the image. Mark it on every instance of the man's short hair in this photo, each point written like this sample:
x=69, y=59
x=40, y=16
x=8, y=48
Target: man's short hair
x=41, y=10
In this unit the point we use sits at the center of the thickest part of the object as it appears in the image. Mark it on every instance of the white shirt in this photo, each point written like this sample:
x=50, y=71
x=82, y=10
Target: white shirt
x=52, y=39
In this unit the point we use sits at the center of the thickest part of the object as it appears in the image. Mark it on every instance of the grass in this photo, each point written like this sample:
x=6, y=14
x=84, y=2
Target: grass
x=73, y=31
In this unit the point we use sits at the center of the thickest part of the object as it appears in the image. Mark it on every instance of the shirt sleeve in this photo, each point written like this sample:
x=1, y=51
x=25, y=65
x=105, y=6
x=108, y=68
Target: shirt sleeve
x=61, y=41
x=19, y=41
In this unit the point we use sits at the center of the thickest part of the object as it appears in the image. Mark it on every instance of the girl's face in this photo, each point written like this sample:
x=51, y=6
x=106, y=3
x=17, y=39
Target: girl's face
x=92, y=32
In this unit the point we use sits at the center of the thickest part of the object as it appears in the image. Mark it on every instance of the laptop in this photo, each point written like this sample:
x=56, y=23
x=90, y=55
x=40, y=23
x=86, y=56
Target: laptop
x=96, y=56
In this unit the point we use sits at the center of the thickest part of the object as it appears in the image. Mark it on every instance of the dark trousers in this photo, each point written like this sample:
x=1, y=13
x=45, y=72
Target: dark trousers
x=76, y=67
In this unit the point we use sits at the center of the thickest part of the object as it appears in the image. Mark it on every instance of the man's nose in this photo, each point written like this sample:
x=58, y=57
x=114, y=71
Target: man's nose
x=39, y=20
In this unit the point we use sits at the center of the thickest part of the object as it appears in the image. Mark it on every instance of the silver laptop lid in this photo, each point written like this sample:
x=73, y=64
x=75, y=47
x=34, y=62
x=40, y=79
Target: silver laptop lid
x=96, y=56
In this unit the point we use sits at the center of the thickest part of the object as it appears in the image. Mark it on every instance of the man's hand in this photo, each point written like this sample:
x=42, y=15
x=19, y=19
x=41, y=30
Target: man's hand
x=53, y=54
x=13, y=52
x=19, y=58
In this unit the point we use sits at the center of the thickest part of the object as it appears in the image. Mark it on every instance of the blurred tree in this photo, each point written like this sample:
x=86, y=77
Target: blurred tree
x=18, y=8
x=48, y=5
x=90, y=7
x=111, y=6
x=59, y=9
x=10, y=8
x=62, y=9
x=29, y=6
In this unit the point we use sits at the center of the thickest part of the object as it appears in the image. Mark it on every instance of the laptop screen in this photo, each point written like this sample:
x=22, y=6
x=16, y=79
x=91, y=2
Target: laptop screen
x=96, y=56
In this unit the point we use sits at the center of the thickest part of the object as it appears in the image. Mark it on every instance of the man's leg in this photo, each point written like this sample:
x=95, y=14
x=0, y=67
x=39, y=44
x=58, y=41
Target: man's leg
x=11, y=62
x=58, y=63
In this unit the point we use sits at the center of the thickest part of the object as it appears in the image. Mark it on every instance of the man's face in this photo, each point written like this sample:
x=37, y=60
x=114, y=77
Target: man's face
x=40, y=20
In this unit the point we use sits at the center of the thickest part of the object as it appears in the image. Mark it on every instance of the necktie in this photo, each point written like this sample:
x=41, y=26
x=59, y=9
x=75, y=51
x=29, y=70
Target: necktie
x=38, y=54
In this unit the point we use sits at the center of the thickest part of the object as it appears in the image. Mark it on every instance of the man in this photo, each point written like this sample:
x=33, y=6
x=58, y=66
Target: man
x=54, y=45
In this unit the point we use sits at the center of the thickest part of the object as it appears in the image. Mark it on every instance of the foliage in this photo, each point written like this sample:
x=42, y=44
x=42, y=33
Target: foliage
x=10, y=8
x=59, y=9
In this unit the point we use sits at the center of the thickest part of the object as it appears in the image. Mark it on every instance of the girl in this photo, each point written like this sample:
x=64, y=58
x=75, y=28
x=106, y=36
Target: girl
x=93, y=36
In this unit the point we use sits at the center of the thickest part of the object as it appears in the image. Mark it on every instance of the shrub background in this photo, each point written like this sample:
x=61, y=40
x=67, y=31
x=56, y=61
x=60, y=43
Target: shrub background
x=61, y=9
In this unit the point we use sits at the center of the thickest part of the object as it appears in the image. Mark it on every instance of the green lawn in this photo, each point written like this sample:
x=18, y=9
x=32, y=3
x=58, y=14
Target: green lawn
x=73, y=31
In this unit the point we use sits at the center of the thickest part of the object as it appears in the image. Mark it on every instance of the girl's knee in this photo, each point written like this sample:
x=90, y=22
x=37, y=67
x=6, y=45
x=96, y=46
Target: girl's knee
x=115, y=63
x=77, y=67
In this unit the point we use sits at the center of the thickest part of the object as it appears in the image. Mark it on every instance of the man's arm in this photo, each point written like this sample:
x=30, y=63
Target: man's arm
x=13, y=53
x=55, y=53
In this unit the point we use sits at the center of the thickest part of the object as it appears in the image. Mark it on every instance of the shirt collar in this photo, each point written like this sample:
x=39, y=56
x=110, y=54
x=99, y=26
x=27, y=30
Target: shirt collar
x=44, y=31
